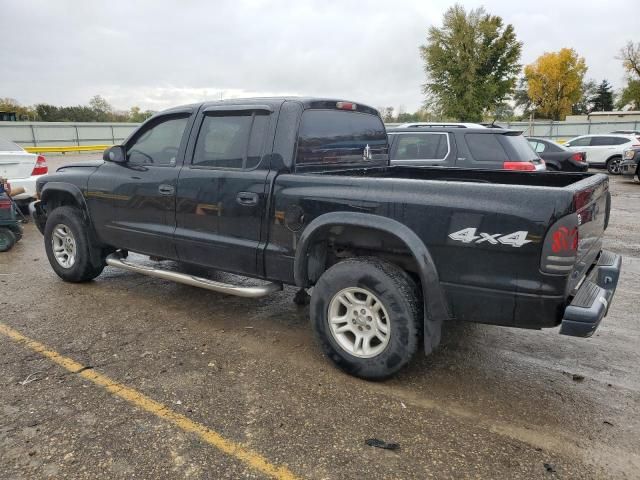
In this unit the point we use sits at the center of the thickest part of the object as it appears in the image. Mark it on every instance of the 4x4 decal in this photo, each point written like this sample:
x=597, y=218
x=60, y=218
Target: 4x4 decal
x=471, y=235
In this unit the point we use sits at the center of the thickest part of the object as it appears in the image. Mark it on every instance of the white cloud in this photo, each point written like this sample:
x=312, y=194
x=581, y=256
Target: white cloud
x=161, y=53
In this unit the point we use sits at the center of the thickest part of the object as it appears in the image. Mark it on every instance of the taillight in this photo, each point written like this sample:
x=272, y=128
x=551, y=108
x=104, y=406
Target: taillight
x=41, y=166
x=522, y=166
x=559, y=250
x=346, y=106
x=578, y=157
x=5, y=204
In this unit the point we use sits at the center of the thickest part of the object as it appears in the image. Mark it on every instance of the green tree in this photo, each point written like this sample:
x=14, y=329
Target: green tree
x=138, y=116
x=554, y=82
x=585, y=104
x=602, y=100
x=101, y=108
x=12, y=105
x=630, y=95
x=471, y=63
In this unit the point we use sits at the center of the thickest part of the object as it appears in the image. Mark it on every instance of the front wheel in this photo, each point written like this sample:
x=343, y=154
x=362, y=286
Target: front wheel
x=68, y=247
x=613, y=165
x=366, y=314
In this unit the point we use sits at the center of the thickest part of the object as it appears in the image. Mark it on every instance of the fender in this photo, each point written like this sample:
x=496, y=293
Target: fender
x=435, y=306
x=70, y=188
x=50, y=188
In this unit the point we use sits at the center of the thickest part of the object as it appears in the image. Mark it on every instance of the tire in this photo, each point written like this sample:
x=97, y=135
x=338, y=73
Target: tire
x=613, y=165
x=7, y=239
x=401, y=315
x=68, y=231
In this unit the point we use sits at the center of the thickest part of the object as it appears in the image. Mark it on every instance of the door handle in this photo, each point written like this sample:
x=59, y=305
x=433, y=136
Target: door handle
x=248, y=199
x=165, y=189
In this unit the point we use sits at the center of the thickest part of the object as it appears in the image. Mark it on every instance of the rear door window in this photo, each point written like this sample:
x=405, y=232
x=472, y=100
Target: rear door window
x=231, y=140
x=581, y=142
x=423, y=146
x=336, y=136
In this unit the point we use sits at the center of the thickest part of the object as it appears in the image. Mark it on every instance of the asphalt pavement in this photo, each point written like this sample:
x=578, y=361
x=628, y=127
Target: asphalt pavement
x=134, y=377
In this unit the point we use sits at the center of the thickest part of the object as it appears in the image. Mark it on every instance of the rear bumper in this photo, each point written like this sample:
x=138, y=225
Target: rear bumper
x=29, y=185
x=590, y=305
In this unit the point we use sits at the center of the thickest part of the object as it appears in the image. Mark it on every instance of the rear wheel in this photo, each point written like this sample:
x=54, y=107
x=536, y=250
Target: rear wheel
x=366, y=316
x=68, y=246
x=7, y=239
x=613, y=165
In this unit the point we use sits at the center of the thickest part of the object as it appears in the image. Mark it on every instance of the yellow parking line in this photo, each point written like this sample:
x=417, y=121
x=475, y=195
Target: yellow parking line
x=251, y=458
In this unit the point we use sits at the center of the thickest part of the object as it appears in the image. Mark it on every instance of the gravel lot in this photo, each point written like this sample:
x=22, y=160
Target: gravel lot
x=490, y=403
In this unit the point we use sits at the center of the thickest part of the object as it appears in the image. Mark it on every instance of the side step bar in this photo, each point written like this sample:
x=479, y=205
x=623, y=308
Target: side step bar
x=117, y=260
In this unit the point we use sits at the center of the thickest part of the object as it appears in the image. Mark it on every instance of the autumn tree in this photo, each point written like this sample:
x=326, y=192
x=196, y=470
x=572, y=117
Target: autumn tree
x=471, y=63
x=555, y=82
x=630, y=95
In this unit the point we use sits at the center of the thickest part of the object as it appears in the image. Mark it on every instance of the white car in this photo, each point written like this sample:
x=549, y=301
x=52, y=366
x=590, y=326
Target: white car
x=21, y=168
x=604, y=150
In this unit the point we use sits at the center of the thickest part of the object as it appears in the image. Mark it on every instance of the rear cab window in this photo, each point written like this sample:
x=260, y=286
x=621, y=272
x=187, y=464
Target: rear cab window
x=332, y=137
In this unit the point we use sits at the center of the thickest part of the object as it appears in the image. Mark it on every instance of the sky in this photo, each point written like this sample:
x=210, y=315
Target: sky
x=159, y=53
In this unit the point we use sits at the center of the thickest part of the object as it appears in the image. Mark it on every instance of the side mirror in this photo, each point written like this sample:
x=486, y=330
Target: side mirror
x=115, y=154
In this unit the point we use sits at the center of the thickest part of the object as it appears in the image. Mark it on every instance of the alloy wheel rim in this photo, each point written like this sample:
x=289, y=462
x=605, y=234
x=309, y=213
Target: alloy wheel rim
x=614, y=166
x=63, y=244
x=359, y=322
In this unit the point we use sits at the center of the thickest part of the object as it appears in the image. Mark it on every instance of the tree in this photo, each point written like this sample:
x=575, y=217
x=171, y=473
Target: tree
x=555, y=82
x=630, y=95
x=12, y=105
x=471, y=63
x=521, y=99
x=585, y=104
x=602, y=100
x=101, y=109
x=138, y=116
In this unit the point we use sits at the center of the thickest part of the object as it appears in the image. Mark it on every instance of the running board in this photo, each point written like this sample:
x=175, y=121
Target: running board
x=118, y=261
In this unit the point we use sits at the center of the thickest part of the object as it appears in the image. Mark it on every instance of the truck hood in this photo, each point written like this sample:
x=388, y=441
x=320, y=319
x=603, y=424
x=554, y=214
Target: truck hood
x=87, y=164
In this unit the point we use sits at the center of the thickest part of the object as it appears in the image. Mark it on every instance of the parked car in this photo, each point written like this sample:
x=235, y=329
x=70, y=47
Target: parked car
x=628, y=132
x=467, y=147
x=630, y=162
x=603, y=150
x=559, y=158
x=21, y=169
x=300, y=191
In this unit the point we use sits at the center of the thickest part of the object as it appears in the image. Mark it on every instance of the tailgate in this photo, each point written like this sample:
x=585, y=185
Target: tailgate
x=18, y=164
x=592, y=203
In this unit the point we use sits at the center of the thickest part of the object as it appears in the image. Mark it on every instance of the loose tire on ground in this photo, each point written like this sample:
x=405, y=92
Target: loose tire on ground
x=7, y=239
x=361, y=281
x=68, y=247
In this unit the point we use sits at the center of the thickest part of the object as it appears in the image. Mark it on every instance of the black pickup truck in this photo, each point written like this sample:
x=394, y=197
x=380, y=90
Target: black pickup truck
x=300, y=191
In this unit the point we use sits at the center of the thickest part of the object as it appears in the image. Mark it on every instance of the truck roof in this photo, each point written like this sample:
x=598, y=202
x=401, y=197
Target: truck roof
x=307, y=102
